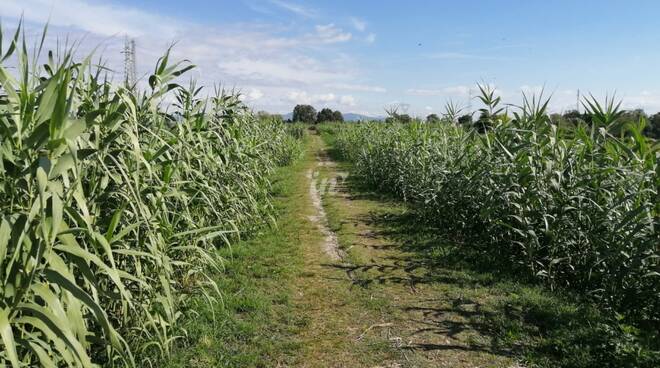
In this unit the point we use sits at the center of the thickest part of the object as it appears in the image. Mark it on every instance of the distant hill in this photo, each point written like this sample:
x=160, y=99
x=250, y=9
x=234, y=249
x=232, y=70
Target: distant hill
x=349, y=116
x=355, y=117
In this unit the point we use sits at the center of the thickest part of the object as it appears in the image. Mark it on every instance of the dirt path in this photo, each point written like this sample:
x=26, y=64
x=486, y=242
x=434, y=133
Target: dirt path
x=369, y=301
x=330, y=242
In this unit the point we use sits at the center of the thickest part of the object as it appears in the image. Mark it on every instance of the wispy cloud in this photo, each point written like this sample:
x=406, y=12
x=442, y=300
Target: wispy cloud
x=101, y=19
x=359, y=24
x=295, y=8
x=301, y=71
x=347, y=100
x=451, y=91
x=329, y=33
x=263, y=60
x=358, y=87
x=535, y=90
x=647, y=100
x=258, y=7
x=451, y=55
x=252, y=95
x=323, y=99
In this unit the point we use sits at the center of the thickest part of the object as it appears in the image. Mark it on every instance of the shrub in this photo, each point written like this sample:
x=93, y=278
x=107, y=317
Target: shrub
x=304, y=114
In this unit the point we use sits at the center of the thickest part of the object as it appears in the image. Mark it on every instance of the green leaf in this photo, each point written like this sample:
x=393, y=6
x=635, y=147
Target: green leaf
x=8, y=337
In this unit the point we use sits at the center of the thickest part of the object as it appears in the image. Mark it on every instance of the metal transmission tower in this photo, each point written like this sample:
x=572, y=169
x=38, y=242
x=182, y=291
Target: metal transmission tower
x=469, y=106
x=129, y=63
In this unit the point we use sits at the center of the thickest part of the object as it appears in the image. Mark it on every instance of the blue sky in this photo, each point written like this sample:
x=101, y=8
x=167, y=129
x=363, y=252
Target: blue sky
x=361, y=56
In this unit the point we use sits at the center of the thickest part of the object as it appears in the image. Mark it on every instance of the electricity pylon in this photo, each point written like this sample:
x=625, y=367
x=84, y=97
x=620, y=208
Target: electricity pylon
x=129, y=63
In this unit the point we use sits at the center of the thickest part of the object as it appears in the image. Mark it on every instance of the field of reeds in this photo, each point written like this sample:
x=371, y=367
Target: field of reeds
x=574, y=208
x=113, y=200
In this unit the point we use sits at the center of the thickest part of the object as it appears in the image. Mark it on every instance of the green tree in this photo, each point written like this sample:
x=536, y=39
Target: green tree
x=325, y=115
x=405, y=119
x=465, y=119
x=485, y=122
x=432, y=118
x=304, y=113
x=575, y=117
x=337, y=116
x=628, y=117
x=633, y=115
x=264, y=115
x=652, y=128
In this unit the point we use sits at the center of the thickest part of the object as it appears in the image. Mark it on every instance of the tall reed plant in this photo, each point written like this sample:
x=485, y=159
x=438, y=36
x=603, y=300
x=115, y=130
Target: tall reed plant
x=112, y=202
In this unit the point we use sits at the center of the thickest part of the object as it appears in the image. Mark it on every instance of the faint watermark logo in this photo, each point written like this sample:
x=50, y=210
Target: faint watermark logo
x=325, y=185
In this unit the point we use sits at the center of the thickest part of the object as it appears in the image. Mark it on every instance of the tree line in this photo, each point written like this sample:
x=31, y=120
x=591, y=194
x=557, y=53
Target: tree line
x=485, y=117
x=308, y=114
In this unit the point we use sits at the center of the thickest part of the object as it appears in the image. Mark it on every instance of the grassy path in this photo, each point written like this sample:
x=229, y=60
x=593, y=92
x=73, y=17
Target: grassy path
x=255, y=323
x=350, y=279
x=380, y=305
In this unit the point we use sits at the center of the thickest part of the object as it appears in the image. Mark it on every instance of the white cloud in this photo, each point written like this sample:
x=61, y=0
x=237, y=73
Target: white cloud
x=253, y=95
x=329, y=33
x=358, y=87
x=294, y=8
x=278, y=71
x=455, y=91
x=322, y=99
x=347, y=100
x=98, y=18
x=534, y=90
x=423, y=92
x=371, y=38
x=270, y=63
x=258, y=7
x=647, y=100
x=239, y=54
x=359, y=24
x=299, y=97
x=251, y=41
x=327, y=97
x=428, y=108
x=462, y=91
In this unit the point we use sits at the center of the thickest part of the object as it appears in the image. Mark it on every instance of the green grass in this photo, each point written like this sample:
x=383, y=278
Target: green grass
x=254, y=325
x=514, y=315
x=542, y=327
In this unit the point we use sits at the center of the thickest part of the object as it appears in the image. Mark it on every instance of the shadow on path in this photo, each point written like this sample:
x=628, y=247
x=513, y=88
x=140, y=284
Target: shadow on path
x=445, y=301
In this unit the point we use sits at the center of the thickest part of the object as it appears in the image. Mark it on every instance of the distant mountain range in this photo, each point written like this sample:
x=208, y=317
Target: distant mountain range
x=349, y=116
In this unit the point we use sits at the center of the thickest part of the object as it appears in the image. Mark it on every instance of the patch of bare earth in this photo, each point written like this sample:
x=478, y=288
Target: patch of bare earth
x=330, y=242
